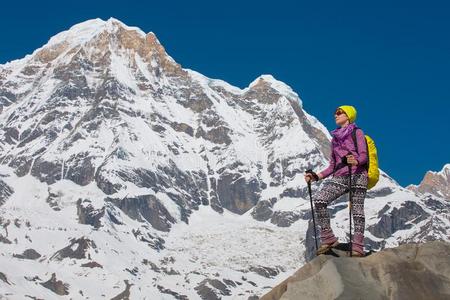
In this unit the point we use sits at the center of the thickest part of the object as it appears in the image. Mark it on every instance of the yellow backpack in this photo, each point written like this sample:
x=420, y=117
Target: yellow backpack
x=373, y=173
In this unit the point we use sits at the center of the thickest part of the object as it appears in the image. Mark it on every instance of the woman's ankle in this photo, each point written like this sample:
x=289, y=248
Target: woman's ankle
x=327, y=237
x=358, y=243
x=358, y=239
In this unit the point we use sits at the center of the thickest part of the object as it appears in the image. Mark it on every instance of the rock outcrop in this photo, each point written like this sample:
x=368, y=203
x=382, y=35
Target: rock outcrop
x=434, y=183
x=77, y=249
x=28, y=254
x=56, y=286
x=5, y=192
x=410, y=271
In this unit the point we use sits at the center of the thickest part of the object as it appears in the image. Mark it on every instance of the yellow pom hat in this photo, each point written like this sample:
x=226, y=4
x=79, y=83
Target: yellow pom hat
x=350, y=111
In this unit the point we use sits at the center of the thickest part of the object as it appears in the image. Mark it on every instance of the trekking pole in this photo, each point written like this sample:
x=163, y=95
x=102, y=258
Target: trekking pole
x=312, y=209
x=350, y=203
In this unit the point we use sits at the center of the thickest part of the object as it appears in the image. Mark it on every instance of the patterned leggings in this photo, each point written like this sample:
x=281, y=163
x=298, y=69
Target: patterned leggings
x=332, y=189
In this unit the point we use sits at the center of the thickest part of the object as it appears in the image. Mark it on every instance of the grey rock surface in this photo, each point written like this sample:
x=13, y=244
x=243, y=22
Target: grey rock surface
x=410, y=271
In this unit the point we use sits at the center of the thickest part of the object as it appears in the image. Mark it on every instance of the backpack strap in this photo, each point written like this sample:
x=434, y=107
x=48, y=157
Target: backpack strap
x=356, y=146
x=354, y=139
x=334, y=158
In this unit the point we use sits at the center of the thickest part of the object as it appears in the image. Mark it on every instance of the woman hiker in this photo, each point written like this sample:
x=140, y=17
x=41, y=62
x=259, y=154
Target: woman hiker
x=342, y=145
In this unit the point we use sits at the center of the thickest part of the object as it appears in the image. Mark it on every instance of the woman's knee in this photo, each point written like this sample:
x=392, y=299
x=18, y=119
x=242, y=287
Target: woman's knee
x=320, y=202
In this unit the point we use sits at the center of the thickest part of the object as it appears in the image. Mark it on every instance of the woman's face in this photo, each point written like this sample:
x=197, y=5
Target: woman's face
x=340, y=117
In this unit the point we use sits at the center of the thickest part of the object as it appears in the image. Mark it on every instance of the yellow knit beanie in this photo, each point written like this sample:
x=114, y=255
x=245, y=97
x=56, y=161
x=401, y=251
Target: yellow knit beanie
x=350, y=111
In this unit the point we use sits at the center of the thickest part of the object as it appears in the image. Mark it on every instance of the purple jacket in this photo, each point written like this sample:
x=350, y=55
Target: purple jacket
x=337, y=152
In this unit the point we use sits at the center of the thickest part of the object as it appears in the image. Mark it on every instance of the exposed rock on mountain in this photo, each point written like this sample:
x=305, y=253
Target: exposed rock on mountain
x=435, y=183
x=56, y=286
x=5, y=192
x=77, y=249
x=28, y=254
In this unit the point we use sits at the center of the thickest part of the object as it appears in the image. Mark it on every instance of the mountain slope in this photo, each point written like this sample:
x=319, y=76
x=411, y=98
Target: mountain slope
x=122, y=172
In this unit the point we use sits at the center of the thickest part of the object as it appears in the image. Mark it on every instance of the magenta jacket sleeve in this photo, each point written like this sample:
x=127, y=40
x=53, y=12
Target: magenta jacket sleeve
x=325, y=173
x=361, y=156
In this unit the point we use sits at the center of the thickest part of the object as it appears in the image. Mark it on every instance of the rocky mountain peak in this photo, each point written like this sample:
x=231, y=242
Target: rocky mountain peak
x=97, y=41
x=82, y=33
x=435, y=183
x=267, y=84
x=445, y=170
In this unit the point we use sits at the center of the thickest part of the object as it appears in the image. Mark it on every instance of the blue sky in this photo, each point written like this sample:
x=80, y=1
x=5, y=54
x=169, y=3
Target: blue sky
x=390, y=59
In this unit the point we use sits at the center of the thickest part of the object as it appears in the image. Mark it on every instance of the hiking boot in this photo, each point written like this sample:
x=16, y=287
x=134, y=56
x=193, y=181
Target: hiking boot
x=326, y=247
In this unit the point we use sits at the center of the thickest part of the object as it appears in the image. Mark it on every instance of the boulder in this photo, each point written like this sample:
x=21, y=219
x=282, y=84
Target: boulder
x=410, y=271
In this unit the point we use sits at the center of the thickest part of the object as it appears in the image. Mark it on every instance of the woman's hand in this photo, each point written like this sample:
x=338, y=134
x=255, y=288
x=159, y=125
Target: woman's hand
x=310, y=177
x=351, y=160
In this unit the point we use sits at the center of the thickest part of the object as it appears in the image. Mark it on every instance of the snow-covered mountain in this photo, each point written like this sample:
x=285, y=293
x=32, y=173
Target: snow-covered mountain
x=123, y=174
x=436, y=184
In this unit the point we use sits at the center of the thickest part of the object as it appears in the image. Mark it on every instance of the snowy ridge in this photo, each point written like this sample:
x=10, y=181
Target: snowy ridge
x=86, y=31
x=280, y=86
x=445, y=171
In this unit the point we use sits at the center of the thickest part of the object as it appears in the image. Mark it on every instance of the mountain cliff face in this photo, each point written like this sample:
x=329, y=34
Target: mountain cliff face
x=122, y=173
x=436, y=184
